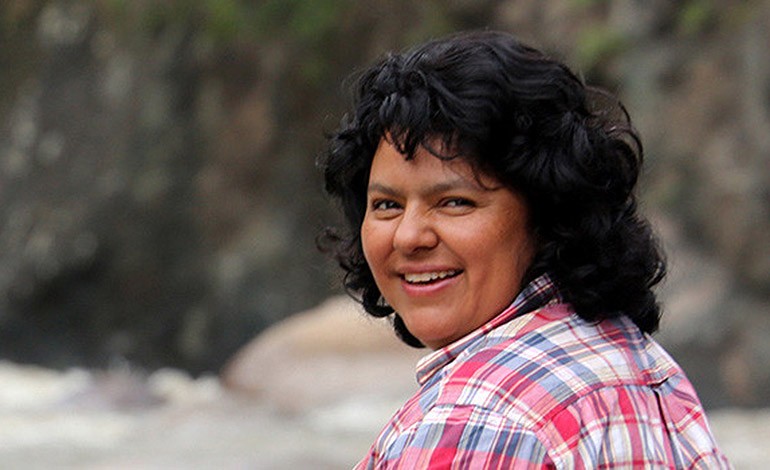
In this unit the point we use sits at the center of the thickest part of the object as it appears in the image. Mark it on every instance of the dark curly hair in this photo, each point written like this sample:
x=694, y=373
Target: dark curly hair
x=526, y=119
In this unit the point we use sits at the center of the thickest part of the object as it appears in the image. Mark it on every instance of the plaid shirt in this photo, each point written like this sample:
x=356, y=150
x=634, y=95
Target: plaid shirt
x=537, y=387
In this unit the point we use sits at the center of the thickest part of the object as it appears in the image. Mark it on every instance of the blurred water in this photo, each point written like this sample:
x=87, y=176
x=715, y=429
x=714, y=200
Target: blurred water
x=122, y=419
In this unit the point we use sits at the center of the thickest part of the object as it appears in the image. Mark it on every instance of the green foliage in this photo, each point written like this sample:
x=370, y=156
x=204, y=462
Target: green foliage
x=698, y=16
x=588, y=3
x=307, y=24
x=598, y=44
x=695, y=16
x=224, y=19
x=312, y=19
x=298, y=20
x=116, y=7
x=227, y=21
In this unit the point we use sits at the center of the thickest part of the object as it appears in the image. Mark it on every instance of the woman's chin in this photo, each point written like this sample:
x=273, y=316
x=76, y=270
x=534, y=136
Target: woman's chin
x=432, y=338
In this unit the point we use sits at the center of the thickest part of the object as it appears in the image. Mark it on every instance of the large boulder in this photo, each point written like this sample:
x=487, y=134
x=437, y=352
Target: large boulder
x=330, y=353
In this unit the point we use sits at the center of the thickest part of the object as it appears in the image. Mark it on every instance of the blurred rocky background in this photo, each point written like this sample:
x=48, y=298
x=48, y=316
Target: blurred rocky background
x=159, y=199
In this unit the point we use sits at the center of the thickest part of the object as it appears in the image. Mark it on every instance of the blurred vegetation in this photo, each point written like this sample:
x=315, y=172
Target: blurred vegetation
x=695, y=16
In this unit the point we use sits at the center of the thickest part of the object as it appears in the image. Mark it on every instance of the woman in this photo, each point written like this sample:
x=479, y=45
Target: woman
x=489, y=200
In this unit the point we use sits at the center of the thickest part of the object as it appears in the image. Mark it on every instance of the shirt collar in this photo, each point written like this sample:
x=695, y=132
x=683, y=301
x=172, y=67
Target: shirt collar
x=537, y=294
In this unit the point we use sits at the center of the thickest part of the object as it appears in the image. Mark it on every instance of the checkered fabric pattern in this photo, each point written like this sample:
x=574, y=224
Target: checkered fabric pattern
x=537, y=387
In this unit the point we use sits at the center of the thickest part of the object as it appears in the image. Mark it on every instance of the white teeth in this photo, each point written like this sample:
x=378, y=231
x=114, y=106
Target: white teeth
x=428, y=277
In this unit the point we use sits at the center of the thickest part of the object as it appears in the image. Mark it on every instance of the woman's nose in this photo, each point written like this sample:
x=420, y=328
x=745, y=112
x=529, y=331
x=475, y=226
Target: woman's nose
x=414, y=232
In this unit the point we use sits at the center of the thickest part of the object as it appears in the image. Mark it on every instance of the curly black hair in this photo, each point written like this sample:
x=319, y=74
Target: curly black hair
x=516, y=114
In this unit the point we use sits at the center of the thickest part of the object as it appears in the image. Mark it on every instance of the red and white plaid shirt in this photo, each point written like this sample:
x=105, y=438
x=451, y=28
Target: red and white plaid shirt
x=537, y=387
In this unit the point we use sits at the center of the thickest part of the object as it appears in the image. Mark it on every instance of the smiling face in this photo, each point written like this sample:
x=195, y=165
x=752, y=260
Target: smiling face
x=447, y=249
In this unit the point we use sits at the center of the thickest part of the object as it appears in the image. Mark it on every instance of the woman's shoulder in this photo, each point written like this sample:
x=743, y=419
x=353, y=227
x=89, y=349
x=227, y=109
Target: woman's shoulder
x=551, y=359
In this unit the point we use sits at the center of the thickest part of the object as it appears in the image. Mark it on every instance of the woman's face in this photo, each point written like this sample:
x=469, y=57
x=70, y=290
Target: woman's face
x=448, y=249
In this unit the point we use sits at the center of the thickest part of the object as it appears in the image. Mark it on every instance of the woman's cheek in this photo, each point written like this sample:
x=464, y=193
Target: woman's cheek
x=371, y=242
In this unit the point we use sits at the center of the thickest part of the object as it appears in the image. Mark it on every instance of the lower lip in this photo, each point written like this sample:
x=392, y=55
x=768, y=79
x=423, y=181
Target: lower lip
x=421, y=290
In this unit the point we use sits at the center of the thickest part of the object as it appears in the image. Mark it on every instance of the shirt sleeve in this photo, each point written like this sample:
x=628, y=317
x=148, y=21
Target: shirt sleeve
x=462, y=437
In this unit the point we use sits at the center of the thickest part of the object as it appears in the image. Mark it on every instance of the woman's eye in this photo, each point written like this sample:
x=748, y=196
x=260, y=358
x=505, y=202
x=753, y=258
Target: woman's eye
x=458, y=202
x=383, y=205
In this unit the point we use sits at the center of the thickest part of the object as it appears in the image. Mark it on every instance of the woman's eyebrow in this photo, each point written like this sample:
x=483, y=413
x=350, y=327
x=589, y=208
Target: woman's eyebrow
x=442, y=187
x=449, y=186
x=381, y=188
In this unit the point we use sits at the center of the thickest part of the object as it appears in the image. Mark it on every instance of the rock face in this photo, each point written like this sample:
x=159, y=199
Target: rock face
x=718, y=335
x=144, y=217
x=97, y=177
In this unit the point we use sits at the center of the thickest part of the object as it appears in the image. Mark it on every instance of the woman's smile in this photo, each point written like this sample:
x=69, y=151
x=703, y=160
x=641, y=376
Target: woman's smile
x=447, y=247
x=427, y=283
x=430, y=277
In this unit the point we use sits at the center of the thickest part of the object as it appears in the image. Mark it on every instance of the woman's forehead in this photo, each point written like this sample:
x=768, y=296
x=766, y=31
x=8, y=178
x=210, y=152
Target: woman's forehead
x=390, y=161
